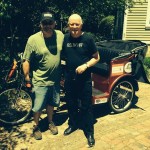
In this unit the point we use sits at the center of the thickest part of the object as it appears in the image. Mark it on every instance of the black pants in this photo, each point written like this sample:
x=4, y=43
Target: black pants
x=79, y=103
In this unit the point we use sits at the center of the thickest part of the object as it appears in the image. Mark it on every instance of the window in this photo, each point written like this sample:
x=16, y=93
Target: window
x=148, y=16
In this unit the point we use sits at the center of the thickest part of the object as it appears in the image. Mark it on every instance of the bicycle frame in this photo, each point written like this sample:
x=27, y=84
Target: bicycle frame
x=15, y=103
x=15, y=73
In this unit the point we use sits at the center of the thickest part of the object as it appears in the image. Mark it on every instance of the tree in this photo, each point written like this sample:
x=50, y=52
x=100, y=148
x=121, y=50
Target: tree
x=21, y=17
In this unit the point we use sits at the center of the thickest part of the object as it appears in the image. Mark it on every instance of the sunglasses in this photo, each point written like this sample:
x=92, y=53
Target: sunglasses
x=47, y=22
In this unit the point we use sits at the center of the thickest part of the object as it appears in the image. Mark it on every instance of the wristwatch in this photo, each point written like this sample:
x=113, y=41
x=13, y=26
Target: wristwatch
x=87, y=65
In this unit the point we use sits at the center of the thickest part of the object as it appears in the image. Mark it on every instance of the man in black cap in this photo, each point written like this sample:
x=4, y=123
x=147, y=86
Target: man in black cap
x=42, y=59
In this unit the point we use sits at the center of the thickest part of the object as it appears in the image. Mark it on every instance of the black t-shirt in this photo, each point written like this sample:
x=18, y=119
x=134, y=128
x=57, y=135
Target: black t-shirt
x=78, y=51
x=51, y=44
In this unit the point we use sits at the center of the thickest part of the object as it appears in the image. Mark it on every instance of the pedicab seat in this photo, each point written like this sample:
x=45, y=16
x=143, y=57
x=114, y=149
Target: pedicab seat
x=106, y=55
x=111, y=49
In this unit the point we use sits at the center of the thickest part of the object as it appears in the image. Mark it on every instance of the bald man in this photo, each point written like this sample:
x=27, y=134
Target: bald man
x=81, y=53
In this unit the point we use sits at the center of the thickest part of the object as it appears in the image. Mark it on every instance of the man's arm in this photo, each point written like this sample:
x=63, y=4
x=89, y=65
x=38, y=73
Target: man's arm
x=26, y=70
x=95, y=58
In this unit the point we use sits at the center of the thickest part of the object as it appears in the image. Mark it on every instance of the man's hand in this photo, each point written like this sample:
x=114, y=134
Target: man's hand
x=28, y=85
x=81, y=69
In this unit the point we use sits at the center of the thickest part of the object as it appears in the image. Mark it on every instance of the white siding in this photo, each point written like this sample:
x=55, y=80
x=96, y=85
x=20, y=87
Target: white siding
x=135, y=23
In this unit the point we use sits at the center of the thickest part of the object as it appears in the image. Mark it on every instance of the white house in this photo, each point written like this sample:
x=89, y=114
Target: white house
x=137, y=22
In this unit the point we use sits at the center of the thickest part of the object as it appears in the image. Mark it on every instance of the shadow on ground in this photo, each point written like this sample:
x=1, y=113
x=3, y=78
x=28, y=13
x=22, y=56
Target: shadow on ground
x=10, y=135
x=59, y=118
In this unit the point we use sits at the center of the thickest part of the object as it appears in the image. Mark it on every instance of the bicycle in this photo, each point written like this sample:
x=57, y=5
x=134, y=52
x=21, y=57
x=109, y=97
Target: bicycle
x=16, y=102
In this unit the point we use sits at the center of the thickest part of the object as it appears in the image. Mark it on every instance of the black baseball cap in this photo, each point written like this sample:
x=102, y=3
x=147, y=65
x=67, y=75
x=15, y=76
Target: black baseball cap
x=46, y=16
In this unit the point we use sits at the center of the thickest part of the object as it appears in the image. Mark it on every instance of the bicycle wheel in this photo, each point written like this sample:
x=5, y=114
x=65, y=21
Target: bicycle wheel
x=121, y=96
x=15, y=106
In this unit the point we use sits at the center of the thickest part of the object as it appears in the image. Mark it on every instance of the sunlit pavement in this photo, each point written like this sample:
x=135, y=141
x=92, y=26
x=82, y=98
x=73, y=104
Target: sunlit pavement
x=126, y=131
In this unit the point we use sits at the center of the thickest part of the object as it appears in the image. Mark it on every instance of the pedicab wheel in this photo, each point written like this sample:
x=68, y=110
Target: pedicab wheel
x=121, y=96
x=15, y=106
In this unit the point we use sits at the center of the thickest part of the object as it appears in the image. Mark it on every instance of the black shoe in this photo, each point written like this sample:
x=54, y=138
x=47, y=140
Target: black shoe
x=91, y=140
x=69, y=130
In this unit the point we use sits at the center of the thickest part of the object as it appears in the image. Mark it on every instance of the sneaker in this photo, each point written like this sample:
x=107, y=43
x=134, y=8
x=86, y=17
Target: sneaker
x=37, y=133
x=53, y=128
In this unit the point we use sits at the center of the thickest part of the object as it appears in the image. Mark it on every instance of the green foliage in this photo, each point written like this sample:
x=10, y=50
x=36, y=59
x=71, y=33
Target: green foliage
x=4, y=58
x=147, y=62
x=24, y=15
x=108, y=21
x=5, y=7
x=20, y=18
x=4, y=63
x=107, y=26
x=147, y=67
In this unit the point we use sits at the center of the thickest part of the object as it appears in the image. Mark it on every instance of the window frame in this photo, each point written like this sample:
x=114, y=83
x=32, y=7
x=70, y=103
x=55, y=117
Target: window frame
x=147, y=26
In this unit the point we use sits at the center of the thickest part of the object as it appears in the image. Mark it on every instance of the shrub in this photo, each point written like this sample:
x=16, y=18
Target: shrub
x=147, y=62
x=107, y=26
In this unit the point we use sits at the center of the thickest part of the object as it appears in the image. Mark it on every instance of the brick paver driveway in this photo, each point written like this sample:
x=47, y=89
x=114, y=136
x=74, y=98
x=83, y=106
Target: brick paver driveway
x=126, y=131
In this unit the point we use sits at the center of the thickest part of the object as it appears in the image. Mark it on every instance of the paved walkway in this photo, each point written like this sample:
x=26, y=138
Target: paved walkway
x=126, y=131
